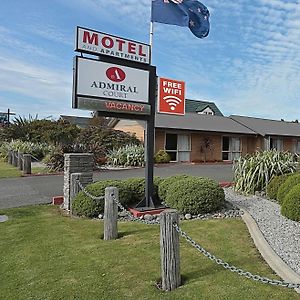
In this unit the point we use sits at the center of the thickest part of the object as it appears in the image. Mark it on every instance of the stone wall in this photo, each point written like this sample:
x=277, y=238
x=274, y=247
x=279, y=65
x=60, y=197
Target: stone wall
x=75, y=163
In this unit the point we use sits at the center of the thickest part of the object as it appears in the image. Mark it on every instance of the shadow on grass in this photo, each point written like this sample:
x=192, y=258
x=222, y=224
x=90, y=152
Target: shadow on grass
x=123, y=234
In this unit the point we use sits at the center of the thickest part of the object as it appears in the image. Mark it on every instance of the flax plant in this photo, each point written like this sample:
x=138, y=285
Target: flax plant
x=129, y=155
x=253, y=172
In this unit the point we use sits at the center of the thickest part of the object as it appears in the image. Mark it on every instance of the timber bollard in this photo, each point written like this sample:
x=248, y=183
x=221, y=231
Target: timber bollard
x=26, y=164
x=111, y=214
x=9, y=156
x=20, y=160
x=169, y=250
x=15, y=158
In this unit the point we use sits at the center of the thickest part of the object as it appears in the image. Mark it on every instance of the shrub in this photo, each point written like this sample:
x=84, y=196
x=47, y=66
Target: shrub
x=108, y=138
x=291, y=204
x=253, y=172
x=162, y=157
x=37, y=150
x=83, y=205
x=167, y=182
x=274, y=184
x=195, y=195
x=32, y=129
x=287, y=186
x=136, y=188
x=129, y=155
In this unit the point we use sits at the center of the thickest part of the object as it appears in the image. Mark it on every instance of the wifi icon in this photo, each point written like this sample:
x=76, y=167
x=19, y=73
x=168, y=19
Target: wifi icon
x=173, y=101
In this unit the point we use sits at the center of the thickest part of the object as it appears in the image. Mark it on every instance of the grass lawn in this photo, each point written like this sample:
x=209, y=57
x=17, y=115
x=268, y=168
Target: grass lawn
x=44, y=255
x=9, y=171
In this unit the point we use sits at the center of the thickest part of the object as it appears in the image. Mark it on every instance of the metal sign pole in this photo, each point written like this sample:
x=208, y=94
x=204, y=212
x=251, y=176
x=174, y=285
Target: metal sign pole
x=149, y=186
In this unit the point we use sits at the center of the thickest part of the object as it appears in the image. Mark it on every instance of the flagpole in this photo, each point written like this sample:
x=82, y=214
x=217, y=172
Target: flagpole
x=151, y=40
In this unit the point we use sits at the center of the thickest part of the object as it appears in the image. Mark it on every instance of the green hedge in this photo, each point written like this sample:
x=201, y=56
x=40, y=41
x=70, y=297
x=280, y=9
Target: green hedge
x=274, y=184
x=83, y=205
x=195, y=195
x=167, y=182
x=291, y=204
x=136, y=188
x=287, y=186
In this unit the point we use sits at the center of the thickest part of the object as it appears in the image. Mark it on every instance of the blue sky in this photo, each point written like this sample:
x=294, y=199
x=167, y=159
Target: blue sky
x=248, y=65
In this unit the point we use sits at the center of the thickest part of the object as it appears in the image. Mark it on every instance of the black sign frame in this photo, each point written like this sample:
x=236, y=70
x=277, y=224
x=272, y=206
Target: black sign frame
x=149, y=200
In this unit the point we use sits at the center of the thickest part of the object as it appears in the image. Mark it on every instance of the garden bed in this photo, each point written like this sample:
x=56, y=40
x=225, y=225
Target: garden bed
x=282, y=234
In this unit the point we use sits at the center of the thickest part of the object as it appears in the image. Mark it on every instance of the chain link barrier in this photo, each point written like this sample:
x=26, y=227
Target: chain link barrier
x=233, y=268
x=84, y=190
x=212, y=257
x=119, y=204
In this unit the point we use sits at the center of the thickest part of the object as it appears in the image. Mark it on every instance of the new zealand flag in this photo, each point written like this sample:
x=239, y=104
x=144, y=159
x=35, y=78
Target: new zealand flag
x=186, y=13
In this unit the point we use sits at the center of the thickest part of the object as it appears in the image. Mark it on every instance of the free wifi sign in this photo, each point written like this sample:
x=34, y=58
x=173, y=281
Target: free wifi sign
x=171, y=98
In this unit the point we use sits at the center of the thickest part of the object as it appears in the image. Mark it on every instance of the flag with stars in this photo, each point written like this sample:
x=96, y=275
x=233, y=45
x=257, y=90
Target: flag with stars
x=186, y=13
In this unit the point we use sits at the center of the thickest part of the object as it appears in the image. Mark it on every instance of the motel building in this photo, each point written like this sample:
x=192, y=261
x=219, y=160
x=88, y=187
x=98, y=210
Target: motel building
x=204, y=134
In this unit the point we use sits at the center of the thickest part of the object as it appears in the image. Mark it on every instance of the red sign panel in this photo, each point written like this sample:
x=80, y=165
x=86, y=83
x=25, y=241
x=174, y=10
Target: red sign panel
x=171, y=98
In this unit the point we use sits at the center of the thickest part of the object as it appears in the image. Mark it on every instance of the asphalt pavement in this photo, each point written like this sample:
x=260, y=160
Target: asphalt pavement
x=21, y=191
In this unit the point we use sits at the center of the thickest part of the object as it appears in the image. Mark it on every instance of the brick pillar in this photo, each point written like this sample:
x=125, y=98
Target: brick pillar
x=75, y=163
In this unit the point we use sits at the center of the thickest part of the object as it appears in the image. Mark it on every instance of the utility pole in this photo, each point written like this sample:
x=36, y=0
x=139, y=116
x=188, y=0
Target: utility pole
x=8, y=114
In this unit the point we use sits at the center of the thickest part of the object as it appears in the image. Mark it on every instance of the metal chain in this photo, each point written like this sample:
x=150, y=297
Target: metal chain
x=122, y=208
x=233, y=268
x=84, y=190
x=198, y=246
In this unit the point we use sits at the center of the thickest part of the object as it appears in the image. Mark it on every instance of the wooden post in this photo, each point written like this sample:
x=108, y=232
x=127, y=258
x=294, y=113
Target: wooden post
x=15, y=158
x=26, y=164
x=9, y=156
x=169, y=250
x=20, y=160
x=111, y=214
x=84, y=179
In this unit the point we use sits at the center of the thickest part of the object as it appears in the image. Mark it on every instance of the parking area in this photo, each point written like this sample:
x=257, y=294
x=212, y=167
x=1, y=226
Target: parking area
x=22, y=191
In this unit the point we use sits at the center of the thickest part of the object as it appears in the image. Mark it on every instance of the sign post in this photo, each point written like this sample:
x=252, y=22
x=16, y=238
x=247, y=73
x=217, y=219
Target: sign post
x=120, y=83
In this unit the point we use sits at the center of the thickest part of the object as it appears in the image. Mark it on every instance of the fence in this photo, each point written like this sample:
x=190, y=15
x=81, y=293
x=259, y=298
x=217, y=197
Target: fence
x=20, y=160
x=169, y=240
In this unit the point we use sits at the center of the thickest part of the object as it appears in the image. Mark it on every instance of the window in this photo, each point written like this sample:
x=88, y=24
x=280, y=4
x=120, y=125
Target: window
x=276, y=143
x=231, y=148
x=206, y=111
x=178, y=146
x=171, y=146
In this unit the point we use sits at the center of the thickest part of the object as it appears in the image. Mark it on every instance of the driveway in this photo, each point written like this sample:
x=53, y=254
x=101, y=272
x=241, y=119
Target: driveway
x=22, y=191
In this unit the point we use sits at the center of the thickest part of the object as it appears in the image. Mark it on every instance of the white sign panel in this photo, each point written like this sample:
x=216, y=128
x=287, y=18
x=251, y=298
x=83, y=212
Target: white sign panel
x=111, y=81
x=100, y=43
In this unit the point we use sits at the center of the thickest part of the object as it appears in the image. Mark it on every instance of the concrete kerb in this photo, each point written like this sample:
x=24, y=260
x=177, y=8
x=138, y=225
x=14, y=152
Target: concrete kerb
x=269, y=255
x=3, y=218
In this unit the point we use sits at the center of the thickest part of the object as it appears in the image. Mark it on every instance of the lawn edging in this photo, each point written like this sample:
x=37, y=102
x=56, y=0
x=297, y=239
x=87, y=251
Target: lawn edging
x=273, y=260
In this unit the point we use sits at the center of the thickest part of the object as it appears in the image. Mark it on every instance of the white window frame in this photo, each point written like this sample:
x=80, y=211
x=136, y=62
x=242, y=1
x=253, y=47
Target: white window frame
x=177, y=151
x=230, y=152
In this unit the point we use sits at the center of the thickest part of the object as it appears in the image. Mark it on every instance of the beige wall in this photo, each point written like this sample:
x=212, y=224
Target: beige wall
x=159, y=140
x=131, y=126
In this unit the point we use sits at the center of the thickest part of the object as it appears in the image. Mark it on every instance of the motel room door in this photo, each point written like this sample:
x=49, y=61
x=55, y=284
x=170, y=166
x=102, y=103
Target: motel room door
x=178, y=146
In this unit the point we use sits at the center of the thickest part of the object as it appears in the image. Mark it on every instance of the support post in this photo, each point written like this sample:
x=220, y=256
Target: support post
x=75, y=163
x=20, y=160
x=84, y=179
x=9, y=156
x=26, y=164
x=169, y=250
x=15, y=158
x=111, y=214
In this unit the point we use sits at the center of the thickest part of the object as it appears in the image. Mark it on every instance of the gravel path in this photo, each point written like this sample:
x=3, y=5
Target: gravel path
x=282, y=234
